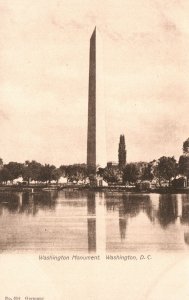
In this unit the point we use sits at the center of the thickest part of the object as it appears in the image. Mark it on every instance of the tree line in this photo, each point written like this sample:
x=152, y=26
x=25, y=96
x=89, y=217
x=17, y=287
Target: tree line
x=161, y=170
x=35, y=171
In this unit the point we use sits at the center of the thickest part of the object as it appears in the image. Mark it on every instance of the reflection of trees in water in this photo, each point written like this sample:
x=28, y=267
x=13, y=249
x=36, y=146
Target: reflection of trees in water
x=185, y=209
x=150, y=210
x=128, y=206
x=113, y=200
x=9, y=201
x=46, y=200
x=28, y=203
x=186, y=238
x=122, y=227
x=74, y=194
x=123, y=217
x=185, y=216
x=73, y=198
x=167, y=212
x=133, y=204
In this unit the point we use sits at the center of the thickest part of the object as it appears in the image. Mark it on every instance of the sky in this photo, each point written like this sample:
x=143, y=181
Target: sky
x=44, y=62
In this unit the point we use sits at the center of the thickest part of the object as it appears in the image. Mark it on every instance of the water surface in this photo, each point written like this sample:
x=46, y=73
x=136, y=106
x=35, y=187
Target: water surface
x=88, y=222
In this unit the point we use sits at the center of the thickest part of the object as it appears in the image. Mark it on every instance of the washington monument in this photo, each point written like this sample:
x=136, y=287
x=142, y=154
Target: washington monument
x=96, y=137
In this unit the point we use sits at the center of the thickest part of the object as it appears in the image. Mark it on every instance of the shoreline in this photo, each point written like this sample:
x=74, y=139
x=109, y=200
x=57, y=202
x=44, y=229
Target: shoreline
x=119, y=189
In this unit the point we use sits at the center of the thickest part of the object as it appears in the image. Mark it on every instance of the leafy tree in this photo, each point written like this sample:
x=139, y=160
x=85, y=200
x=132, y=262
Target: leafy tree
x=147, y=173
x=166, y=169
x=184, y=160
x=112, y=175
x=63, y=170
x=131, y=173
x=1, y=163
x=15, y=169
x=101, y=171
x=31, y=170
x=56, y=174
x=186, y=146
x=75, y=172
x=184, y=165
x=4, y=175
x=46, y=173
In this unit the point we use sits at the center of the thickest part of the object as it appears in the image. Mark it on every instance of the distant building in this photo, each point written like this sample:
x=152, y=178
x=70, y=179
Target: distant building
x=100, y=182
x=18, y=180
x=63, y=179
x=112, y=164
x=122, y=152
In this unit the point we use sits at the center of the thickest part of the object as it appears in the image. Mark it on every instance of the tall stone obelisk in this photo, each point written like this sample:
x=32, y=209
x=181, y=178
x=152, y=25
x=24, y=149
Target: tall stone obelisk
x=96, y=137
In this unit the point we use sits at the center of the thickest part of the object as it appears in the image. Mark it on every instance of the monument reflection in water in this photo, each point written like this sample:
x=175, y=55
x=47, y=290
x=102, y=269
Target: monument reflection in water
x=89, y=222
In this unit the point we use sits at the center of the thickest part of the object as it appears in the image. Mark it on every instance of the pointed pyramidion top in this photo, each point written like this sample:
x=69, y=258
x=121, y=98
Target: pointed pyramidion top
x=94, y=32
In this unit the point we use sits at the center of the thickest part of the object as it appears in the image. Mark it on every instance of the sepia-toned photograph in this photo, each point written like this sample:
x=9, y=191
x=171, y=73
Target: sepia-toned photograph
x=94, y=148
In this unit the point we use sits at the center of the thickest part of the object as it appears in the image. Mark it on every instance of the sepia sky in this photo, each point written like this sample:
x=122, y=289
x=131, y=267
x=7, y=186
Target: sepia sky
x=44, y=61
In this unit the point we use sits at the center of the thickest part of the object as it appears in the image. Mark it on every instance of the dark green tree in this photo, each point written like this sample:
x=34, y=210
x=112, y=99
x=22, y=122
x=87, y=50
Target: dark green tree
x=15, y=169
x=147, y=173
x=166, y=169
x=1, y=163
x=63, y=170
x=101, y=171
x=131, y=173
x=5, y=175
x=76, y=172
x=112, y=175
x=46, y=173
x=186, y=147
x=184, y=165
x=31, y=170
x=56, y=174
